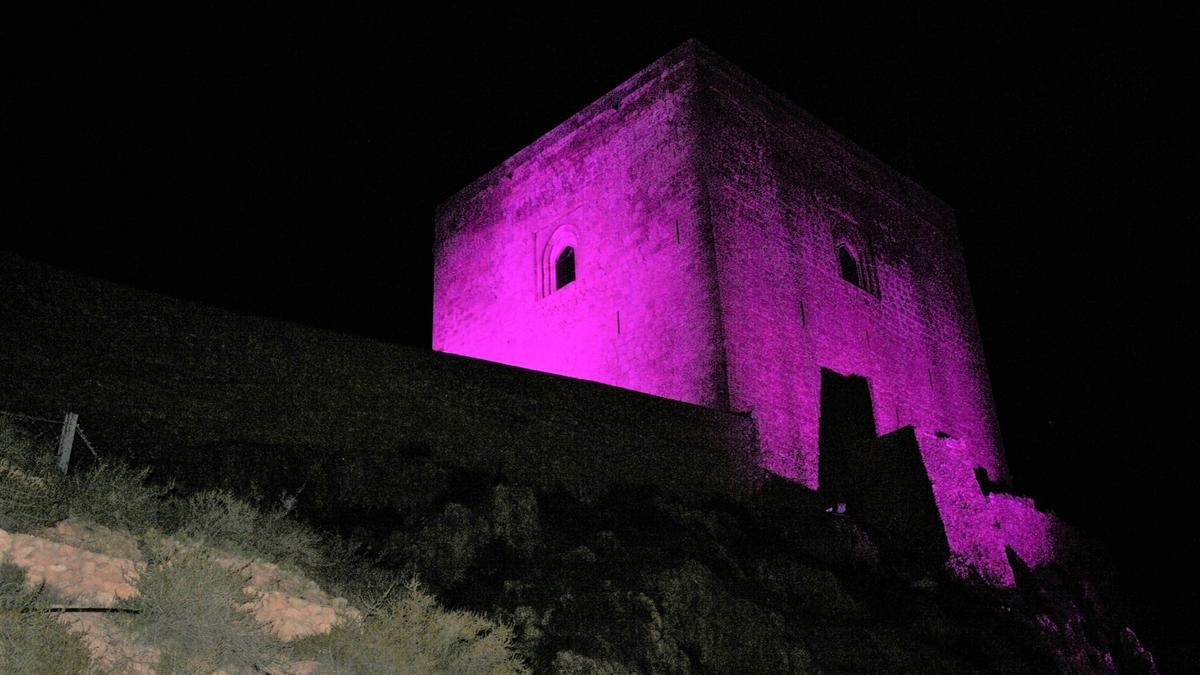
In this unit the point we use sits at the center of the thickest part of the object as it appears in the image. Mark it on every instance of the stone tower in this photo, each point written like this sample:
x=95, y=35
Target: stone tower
x=695, y=236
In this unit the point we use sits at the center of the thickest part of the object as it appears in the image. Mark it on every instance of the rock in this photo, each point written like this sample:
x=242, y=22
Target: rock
x=111, y=648
x=717, y=631
x=1069, y=647
x=875, y=648
x=93, y=577
x=836, y=542
x=93, y=537
x=710, y=533
x=812, y=591
x=716, y=525
x=1133, y=657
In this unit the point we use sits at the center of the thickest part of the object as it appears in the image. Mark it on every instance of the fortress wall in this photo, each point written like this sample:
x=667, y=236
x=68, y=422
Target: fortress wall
x=784, y=189
x=159, y=380
x=617, y=181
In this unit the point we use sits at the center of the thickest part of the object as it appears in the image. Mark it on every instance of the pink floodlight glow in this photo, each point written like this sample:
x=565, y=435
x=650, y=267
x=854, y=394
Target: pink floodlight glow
x=706, y=218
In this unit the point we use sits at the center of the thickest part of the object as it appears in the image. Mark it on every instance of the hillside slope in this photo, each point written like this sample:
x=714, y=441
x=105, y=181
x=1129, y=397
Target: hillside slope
x=229, y=589
x=604, y=527
x=636, y=581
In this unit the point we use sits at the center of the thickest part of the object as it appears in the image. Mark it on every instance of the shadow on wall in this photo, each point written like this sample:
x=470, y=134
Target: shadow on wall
x=881, y=480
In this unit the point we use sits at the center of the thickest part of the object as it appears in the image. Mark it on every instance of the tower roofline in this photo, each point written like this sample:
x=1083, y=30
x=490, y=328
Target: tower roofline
x=565, y=129
x=903, y=189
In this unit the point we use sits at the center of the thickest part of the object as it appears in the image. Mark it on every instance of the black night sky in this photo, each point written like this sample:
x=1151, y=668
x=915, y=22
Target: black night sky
x=289, y=166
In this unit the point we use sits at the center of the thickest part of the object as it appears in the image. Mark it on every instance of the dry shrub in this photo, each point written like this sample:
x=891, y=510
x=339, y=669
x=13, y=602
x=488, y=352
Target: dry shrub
x=116, y=496
x=222, y=520
x=33, y=494
x=31, y=641
x=412, y=634
x=189, y=606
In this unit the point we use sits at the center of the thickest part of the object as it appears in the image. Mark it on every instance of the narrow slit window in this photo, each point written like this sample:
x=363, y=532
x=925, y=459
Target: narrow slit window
x=848, y=266
x=564, y=268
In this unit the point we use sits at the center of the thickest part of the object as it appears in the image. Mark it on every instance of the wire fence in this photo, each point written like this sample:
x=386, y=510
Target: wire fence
x=58, y=436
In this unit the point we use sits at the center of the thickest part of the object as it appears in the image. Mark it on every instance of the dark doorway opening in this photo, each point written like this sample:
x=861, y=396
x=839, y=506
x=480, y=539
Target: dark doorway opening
x=847, y=422
x=881, y=480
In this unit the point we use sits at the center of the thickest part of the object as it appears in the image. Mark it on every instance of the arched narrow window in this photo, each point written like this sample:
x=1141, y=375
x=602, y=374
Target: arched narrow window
x=848, y=266
x=564, y=268
x=557, y=259
x=855, y=263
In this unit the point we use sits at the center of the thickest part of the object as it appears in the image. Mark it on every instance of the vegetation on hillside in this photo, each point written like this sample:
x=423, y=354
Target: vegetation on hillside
x=188, y=605
x=32, y=641
x=541, y=580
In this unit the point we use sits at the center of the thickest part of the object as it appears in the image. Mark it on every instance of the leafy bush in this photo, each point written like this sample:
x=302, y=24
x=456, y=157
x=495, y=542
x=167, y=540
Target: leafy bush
x=411, y=634
x=188, y=605
x=32, y=641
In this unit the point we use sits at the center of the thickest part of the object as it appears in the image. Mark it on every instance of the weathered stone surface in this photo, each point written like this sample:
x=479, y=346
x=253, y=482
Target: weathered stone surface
x=1134, y=658
x=89, y=576
x=93, y=537
x=286, y=603
x=719, y=632
x=809, y=590
x=833, y=541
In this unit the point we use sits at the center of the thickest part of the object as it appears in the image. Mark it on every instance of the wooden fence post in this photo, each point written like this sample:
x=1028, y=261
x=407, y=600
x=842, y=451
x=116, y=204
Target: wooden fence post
x=65, y=441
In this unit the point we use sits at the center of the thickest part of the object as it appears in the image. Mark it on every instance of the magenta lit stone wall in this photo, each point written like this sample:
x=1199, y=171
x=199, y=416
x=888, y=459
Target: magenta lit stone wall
x=784, y=192
x=617, y=182
x=706, y=212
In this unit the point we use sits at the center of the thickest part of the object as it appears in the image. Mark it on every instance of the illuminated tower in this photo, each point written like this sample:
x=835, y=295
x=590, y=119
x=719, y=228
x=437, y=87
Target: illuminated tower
x=696, y=236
